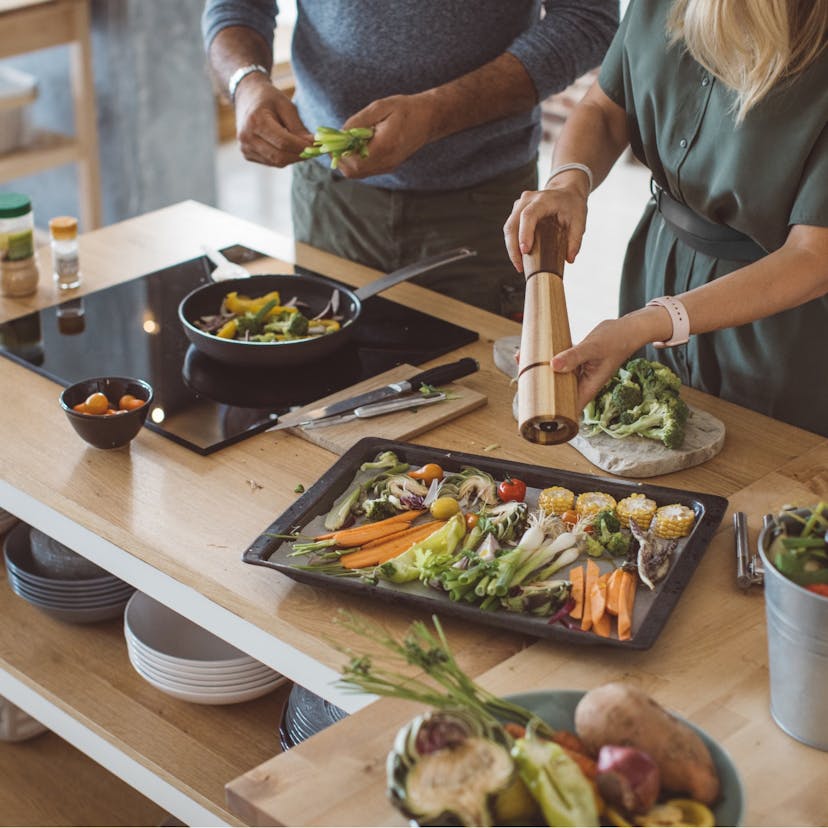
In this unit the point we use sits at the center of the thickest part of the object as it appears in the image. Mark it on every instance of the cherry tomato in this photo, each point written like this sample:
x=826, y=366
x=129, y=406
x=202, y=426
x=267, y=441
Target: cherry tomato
x=96, y=403
x=427, y=473
x=511, y=489
x=444, y=507
x=128, y=402
x=80, y=408
x=570, y=516
x=471, y=521
x=819, y=589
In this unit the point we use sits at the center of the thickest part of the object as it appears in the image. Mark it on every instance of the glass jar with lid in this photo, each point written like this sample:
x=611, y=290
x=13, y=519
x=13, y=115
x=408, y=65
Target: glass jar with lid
x=18, y=269
x=65, y=262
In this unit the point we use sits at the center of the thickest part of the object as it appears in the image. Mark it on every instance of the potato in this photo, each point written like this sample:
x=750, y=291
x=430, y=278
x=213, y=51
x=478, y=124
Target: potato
x=618, y=714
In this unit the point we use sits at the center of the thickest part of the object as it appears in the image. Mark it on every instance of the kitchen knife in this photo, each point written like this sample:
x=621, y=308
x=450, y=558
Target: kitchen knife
x=434, y=376
x=377, y=409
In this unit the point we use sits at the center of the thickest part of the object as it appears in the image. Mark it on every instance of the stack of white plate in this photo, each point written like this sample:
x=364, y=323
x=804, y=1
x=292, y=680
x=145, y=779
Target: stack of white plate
x=76, y=600
x=186, y=661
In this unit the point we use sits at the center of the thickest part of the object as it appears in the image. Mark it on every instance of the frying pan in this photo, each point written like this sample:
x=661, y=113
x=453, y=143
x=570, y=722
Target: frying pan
x=314, y=291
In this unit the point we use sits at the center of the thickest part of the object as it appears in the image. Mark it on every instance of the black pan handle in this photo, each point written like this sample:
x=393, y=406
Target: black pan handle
x=414, y=269
x=445, y=373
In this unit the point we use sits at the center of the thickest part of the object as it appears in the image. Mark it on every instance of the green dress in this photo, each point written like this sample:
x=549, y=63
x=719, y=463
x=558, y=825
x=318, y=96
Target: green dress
x=759, y=177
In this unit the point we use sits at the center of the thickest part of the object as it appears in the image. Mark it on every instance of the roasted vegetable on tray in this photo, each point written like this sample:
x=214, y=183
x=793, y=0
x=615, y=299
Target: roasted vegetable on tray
x=497, y=545
x=478, y=759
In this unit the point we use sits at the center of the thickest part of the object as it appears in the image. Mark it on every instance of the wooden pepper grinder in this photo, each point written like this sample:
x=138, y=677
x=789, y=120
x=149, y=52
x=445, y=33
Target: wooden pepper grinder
x=547, y=401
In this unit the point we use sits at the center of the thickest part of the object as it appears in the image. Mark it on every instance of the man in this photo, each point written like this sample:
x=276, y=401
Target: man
x=452, y=91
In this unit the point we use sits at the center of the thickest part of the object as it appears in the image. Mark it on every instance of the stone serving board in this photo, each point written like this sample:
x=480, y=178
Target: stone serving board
x=632, y=456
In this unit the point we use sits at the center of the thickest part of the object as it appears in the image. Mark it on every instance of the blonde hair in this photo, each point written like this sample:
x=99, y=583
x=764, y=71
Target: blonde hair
x=750, y=45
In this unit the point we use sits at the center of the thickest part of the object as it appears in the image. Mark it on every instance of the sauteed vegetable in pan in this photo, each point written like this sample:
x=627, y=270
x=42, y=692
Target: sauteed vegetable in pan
x=266, y=319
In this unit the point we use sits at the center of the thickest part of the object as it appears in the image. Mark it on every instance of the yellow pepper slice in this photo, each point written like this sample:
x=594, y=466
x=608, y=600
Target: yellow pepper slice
x=678, y=812
x=228, y=329
x=331, y=324
x=235, y=303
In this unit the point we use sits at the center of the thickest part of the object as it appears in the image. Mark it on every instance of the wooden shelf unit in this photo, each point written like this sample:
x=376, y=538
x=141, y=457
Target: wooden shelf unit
x=82, y=673
x=27, y=26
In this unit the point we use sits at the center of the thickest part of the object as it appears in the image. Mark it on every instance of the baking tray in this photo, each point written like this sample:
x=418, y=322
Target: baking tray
x=652, y=608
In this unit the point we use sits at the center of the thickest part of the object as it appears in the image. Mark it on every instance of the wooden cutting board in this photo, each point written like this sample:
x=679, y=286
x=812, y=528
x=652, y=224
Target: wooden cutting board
x=401, y=425
x=633, y=456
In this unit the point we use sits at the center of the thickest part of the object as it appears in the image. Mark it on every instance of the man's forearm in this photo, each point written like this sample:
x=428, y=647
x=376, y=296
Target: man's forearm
x=496, y=90
x=234, y=47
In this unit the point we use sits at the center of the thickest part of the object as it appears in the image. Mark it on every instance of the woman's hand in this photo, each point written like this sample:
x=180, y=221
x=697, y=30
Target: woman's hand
x=598, y=356
x=565, y=199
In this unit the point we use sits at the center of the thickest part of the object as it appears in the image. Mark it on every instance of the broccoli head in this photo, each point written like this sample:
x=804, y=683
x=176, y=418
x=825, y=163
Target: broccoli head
x=618, y=544
x=289, y=324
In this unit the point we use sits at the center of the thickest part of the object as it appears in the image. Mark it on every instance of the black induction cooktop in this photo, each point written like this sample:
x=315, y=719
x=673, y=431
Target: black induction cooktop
x=132, y=329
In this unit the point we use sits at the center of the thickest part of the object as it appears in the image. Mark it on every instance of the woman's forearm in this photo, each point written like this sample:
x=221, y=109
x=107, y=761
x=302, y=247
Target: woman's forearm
x=595, y=134
x=791, y=276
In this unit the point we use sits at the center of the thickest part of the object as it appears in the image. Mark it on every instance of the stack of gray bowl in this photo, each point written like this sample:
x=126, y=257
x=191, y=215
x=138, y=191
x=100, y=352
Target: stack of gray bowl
x=58, y=581
x=306, y=714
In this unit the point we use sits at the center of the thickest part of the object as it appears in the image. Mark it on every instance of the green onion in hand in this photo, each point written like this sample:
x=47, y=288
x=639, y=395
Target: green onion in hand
x=339, y=143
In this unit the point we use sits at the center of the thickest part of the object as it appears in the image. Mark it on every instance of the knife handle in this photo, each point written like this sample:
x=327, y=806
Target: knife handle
x=445, y=373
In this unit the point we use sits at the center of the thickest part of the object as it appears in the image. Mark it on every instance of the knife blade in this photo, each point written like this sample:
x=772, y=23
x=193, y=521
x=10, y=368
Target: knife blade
x=433, y=376
x=377, y=409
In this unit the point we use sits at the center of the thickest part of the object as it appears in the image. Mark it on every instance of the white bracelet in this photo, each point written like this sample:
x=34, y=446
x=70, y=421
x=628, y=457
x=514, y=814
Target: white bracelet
x=679, y=318
x=240, y=74
x=564, y=167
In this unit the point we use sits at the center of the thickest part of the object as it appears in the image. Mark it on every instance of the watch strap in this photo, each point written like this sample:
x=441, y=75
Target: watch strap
x=240, y=74
x=679, y=318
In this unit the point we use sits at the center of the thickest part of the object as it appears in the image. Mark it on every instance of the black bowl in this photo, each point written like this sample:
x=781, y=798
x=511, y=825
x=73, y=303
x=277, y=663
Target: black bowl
x=115, y=430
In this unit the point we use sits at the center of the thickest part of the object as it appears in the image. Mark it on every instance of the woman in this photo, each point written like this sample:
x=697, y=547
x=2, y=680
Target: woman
x=726, y=103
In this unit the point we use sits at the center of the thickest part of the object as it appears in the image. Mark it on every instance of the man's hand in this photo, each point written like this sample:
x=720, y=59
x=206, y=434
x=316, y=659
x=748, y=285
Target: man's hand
x=267, y=124
x=401, y=123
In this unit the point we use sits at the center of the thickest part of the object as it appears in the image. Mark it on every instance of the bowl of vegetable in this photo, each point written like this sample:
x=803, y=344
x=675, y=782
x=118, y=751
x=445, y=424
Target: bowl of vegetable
x=107, y=412
x=540, y=758
x=794, y=551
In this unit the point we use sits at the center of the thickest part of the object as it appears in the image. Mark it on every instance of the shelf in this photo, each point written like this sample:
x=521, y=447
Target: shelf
x=46, y=150
x=78, y=681
x=48, y=782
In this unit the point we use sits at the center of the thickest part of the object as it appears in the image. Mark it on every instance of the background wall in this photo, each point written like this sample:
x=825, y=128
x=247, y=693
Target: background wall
x=156, y=116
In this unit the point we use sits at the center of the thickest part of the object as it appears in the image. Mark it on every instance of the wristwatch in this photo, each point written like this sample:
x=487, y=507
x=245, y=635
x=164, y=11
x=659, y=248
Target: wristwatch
x=679, y=318
x=240, y=74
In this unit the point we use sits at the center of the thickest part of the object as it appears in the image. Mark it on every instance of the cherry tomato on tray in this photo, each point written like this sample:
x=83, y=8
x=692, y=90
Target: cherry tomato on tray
x=511, y=489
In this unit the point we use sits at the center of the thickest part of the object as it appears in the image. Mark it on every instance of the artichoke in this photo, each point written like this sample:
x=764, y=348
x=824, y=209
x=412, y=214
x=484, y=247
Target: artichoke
x=449, y=768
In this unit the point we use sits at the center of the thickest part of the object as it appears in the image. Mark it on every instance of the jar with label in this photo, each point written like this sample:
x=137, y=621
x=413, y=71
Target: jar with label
x=18, y=268
x=65, y=261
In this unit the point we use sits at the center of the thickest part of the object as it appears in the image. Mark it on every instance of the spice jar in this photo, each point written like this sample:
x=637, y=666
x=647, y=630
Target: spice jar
x=65, y=261
x=18, y=268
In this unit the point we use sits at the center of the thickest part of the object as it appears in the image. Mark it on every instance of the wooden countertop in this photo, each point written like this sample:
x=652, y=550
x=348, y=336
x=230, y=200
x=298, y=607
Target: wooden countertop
x=174, y=523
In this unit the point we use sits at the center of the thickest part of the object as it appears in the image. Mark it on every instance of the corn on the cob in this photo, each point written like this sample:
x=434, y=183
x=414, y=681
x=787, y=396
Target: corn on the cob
x=673, y=521
x=588, y=503
x=556, y=500
x=637, y=507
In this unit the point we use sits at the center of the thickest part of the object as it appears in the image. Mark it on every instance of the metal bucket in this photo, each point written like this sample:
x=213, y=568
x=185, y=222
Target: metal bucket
x=797, y=653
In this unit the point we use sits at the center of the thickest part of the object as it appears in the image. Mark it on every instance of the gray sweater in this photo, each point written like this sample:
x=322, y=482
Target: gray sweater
x=347, y=53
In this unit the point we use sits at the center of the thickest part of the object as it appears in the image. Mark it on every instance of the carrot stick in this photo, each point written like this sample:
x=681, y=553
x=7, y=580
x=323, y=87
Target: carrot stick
x=613, y=588
x=576, y=578
x=357, y=535
x=626, y=602
x=598, y=601
x=403, y=532
x=385, y=551
x=592, y=574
